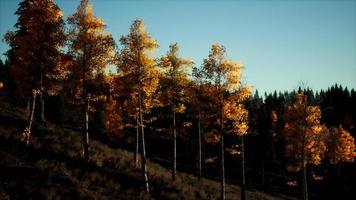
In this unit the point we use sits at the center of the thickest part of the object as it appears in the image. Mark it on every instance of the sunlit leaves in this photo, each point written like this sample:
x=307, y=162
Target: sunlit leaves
x=303, y=131
x=35, y=47
x=174, y=81
x=341, y=146
x=92, y=48
x=222, y=71
x=239, y=116
x=113, y=119
x=138, y=67
x=226, y=95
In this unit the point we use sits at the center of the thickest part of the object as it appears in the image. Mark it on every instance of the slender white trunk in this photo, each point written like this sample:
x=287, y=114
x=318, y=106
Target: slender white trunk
x=143, y=149
x=199, y=148
x=174, y=166
x=243, y=196
x=222, y=159
x=27, y=133
x=135, y=159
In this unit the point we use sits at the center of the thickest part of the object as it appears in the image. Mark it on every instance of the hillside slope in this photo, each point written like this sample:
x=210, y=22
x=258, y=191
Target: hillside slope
x=51, y=168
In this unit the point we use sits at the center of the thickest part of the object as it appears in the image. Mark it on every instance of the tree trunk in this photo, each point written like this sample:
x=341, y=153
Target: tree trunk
x=305, y=183
x=136, y=141
x=199, y=148
x=243, y=168
x=263, y=176
x=222, y=159
x=304, y=168
x=143, y=149
x=27, y=134
x=43, y=119
x=174, y=166
x=42, y=116
x=85, y=139
x=86, y=132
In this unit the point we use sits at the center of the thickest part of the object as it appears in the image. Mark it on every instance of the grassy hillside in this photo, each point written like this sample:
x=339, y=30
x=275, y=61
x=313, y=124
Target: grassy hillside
x=51, y=168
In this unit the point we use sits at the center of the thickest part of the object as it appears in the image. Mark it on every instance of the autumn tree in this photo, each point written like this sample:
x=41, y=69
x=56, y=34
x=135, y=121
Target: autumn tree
x=305, y=136
x=341, y=146
x=113, y=118
x=35, y=52
x=197, y=102
x=174, y=94
x=226, y=96
x=93, y=49
x=235, y=111
x=140, y=77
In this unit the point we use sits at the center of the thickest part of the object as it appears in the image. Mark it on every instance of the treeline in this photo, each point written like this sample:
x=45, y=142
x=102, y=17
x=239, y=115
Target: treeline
x=59, y=73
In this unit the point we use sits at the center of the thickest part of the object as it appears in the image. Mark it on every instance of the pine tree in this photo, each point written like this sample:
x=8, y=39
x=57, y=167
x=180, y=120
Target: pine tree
x=175, y=80
x=93, y=49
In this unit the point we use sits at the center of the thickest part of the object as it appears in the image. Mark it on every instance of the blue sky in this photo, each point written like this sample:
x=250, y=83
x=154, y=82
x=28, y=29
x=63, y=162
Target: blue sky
x=281, y=43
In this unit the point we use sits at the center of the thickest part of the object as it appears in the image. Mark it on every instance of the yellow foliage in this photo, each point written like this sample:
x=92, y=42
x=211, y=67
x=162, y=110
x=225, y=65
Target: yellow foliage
x=35, y=47
x=113, y=121
x=227, y=95
x=92, y=48
x=174, y=78
x=304, y=132
x=342, y=146
x=136, y=85
x=180, y=108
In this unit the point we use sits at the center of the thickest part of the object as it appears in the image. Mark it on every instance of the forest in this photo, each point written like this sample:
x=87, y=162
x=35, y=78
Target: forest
x=157, y=127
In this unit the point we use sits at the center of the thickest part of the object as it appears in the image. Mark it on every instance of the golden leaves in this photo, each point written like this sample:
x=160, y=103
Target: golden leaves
x=342, y=146
x=238, y=114
x=304, y=132
x=174, y=79
x=139, y=74
x=36, y=44
x=180, y=108
x=235, y=111
x=313, y=115
x=240, y=128
x=316, y=150
x=113, y=122
x=242, y=94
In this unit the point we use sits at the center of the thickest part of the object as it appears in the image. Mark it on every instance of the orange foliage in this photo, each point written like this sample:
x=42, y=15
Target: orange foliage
x=35, y=47
x=341, y=146
x=304, y=133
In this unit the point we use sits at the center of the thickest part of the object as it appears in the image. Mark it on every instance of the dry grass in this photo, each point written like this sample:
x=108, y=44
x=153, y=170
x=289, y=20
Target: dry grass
x=109, y=174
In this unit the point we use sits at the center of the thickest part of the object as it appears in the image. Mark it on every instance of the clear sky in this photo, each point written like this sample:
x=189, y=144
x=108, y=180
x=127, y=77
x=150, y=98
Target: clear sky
x=281, y=43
